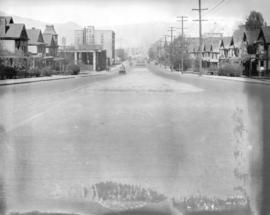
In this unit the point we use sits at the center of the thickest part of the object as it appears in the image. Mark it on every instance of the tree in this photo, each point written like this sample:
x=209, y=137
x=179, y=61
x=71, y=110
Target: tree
x=179, y=52
x=255, y=20
x=171, y=54
x=154, y=51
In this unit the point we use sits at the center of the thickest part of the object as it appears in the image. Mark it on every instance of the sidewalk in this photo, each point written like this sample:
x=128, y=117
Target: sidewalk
x=30, y=80
x=55, y=77
x=239, y=79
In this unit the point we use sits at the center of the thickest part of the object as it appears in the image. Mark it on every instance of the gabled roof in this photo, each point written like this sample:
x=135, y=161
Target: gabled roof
x=9, y=19
x=49, y=29
x=225, y=42
x=265, y=34
x=238, y=35
x=206, y=45
x=48, y=39
x=15, y=31
x=216, y=44
x=209, y=43
x=250, y=36
x=35, y=36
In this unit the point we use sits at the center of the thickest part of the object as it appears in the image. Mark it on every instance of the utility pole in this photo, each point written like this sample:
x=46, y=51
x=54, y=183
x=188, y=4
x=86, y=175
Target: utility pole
x=183, y=19
x=171, y=29
x=165, y=39
x=159, y=49
x=200, y=20
x=165, y=42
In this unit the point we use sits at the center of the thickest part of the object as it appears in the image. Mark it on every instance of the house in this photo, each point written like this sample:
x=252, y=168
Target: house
x=263, y=51
x=51, y=46
x=214, y=49
x=206, y=54
x=248, y=52
x=51, y=39
x=36, y=47
x=224, y=49
x=13, y=37
x=36, y=44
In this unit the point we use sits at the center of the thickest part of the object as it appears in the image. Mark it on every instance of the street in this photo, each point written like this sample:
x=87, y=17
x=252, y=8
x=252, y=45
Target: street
x=180, y=135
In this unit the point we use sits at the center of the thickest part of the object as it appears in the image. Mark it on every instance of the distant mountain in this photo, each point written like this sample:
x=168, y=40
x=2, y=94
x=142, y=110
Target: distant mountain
x=137, y=35
x=63, y=29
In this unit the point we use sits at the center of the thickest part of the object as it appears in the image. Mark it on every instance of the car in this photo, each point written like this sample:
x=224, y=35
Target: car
x=122, y=70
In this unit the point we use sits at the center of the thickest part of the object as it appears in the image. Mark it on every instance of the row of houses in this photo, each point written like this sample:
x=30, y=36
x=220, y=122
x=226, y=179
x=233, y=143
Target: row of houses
x=248, y=47
x=32, y=47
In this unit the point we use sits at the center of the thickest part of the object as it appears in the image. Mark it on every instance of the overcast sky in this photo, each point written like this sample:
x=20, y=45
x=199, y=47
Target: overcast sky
x=118, y=12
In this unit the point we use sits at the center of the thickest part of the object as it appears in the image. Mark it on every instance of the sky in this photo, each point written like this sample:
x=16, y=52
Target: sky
x=122, y=12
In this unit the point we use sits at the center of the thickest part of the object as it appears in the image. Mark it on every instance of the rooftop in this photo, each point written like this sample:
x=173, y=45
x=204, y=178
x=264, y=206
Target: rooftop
x=35, y=36
x=49, y=29
x=266, y=33
x=15, y=31
x=251, y=35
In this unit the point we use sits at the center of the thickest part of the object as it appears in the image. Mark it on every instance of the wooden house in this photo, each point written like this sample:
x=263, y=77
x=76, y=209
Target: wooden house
x=51, y=46
x=248, y=52
x=263, y=51
x=224, y=48
x=13, y=37
x=51, y=40
x=36, y=44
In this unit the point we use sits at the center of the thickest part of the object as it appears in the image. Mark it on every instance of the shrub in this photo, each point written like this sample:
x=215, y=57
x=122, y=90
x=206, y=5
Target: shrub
x=46, y=71
x=56, y=72
x=22, y=73
x=10, y=72
x=35, y=72
x=230, y=69
x=212, y=70
x=73, y=69
x=196, y=65
x=2, y=71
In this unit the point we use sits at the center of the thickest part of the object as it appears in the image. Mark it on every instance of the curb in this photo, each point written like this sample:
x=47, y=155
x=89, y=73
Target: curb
x=52, y=79
x=33, y=81
x=250, y=81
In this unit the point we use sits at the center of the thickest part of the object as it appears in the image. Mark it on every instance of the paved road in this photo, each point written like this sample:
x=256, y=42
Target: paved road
x=179, y=135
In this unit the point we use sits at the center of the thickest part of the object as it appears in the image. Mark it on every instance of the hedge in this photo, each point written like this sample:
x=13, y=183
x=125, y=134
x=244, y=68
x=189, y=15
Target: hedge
x=230, y=69
x=73, y=69
x=8, y=72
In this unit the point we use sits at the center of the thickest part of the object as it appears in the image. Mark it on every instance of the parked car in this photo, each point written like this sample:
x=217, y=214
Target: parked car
x=122, y=70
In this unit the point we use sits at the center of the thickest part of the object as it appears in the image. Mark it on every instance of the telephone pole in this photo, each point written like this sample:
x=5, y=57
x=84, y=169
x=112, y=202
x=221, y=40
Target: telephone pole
x=171, y=29
x=200, y=20
x=165, y=39
x=159, y=49
x=183, y=19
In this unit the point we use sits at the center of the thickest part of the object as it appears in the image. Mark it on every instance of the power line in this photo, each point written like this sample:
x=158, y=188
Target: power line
x=226, y=2
x=213, y=8
x=217, y=7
